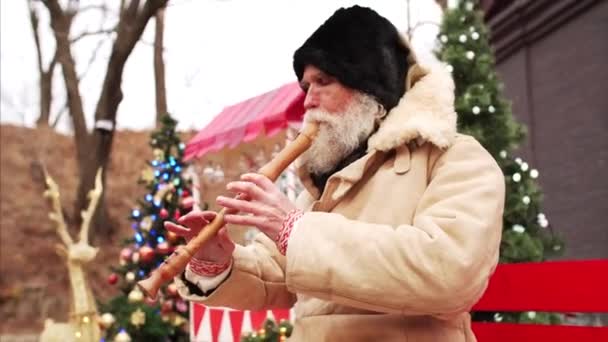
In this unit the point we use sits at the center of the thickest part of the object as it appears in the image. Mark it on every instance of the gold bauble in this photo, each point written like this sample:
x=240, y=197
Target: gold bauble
x=106, y=320
x=138, y=317
x=147, y=175
x=122, y=336
x=146, y=223
x=136, y=296
x=178, y=320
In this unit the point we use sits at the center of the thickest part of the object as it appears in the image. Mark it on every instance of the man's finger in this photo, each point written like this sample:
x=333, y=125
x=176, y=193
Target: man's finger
x=240, y=205
x=196, y=220
x=260, y=180
x=251, y=190
x=225, y=240
x=177, y=229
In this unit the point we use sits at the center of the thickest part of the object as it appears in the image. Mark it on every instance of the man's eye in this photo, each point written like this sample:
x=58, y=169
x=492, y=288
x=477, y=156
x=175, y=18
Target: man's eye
x=324, y=81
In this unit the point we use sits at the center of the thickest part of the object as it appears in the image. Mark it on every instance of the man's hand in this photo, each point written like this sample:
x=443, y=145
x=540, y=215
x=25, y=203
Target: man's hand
x=268, y=206
x=218, y=249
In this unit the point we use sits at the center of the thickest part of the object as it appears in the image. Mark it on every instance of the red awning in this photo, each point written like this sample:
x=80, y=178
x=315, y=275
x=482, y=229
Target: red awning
x=244, y=121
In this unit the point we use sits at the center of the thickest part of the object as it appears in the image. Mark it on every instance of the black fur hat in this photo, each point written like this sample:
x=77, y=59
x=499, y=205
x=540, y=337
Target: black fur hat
x=362, y=49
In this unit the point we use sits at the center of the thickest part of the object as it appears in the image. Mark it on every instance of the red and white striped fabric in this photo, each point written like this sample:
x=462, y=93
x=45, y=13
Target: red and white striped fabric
x=267, y=113
x=227, y=325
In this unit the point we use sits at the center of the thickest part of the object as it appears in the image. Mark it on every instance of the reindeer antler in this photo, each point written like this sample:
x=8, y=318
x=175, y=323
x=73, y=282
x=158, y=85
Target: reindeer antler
x=56, y=215
x=87, y=214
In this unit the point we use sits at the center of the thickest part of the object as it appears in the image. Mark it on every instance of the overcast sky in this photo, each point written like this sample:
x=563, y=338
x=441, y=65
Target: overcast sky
x=217, y=53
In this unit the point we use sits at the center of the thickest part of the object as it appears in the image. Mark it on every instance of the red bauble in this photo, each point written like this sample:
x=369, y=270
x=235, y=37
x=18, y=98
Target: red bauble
x=167, y=306
x=164, y=213
x=146, y=254
x=177, y=215
x=113, y=279
x=185, y=193
x=163, y=248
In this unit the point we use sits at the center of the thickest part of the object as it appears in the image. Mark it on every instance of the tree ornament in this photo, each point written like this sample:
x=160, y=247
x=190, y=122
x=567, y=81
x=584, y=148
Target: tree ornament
x=534, y=173
x=181, y=305
x=106, y=320
x=524, y=166
x=185, y=193
x=112, y=279
x=187, y=202
x=135, y=257
x=475, y=35
x=163, y=248
x=177, y=214
x=491, y=109
x=516, y=177
x=126, y=253
x=122, y=336
x=146, y=223
x=476, y=110
x=147, y=175
x=178, y=321
x=158, y=154
x=164, y=213
x=130, y=277
x=450, y=68
x=526, y=200
x=470, y=55
x=518, y=160
x=166, y=306
x=518, y=228
x=443, y=38
x=136, y=296
x=462, y=38
x=503, y=154
x=146, y=254
x=469, y=6
x=138, y=317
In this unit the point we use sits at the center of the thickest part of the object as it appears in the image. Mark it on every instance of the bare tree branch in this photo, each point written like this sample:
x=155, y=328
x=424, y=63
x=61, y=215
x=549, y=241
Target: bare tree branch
x=91, y=59
x=103, y=7
x=92, y=33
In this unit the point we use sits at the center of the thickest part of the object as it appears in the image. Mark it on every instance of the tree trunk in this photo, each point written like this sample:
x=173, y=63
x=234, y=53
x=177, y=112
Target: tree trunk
x=46, y=76
x=130, y=29
x=61, y=27
x=159, y=66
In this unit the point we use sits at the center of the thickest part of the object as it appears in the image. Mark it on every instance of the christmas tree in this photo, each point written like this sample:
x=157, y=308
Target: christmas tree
x=484, y=113
x=270, y=332
x=130, y=316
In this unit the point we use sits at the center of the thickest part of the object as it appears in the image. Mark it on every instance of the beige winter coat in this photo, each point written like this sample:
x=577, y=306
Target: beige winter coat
x=401, y=243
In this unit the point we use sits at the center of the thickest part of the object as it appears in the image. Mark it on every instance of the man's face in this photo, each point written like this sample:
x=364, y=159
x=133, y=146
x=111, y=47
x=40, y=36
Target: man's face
x=346, y=118
x=324, y=91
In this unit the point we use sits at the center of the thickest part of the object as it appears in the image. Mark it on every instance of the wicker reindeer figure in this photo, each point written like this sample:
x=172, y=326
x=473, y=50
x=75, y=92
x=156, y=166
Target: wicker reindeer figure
x=82, y=324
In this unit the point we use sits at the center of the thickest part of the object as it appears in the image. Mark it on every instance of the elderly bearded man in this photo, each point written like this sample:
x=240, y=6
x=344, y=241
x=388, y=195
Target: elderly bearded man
x=398, y=229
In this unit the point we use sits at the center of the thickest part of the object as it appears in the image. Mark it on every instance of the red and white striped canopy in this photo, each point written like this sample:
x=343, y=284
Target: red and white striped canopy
x=268, y=113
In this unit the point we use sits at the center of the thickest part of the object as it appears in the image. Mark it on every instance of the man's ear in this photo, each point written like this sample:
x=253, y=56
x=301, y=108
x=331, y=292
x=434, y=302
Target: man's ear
x=381, y=113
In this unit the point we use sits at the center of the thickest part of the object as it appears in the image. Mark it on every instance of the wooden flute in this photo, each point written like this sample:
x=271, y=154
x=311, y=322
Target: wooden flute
x=177, y=262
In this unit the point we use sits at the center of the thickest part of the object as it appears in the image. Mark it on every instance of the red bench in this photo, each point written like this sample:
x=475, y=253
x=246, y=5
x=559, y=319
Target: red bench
x=556, y=286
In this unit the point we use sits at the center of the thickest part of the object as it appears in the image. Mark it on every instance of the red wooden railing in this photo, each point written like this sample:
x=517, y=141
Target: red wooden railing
x=557, y=286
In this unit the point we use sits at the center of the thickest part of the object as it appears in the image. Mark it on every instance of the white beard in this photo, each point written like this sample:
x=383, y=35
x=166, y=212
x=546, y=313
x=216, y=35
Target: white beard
x=339, y=133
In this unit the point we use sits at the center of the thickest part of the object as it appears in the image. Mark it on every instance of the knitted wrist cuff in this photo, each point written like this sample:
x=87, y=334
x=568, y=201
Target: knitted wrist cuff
x=283, y=237
x=208, y=268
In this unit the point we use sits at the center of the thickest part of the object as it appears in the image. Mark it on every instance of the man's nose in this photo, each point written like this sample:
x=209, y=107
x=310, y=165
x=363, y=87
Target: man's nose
x=311, y=100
